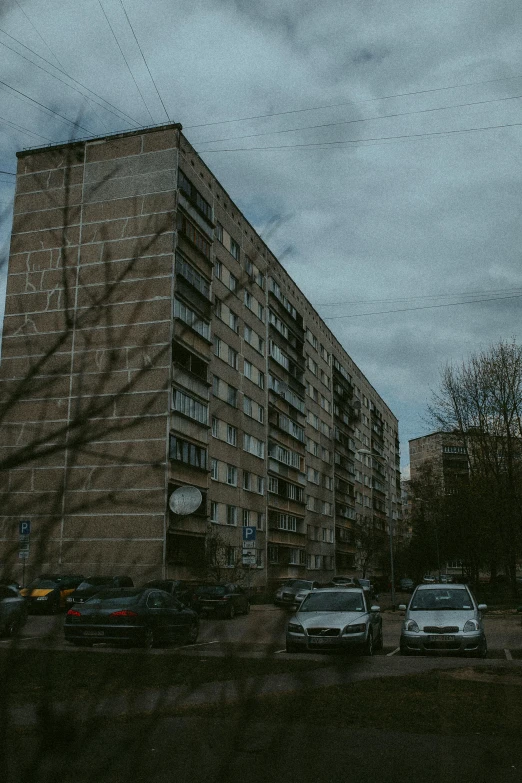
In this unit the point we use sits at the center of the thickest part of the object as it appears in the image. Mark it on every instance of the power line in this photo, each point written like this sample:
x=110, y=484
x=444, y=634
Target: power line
x=353, y=103
x=77, y=124
x=363, y=119
x=413, y=298
x=144, y=60
x=424, y=307
x=357, y=141
x=120, y=111
x=125, y=60
x=12, y=173
x=40, y=36
x=24, y=130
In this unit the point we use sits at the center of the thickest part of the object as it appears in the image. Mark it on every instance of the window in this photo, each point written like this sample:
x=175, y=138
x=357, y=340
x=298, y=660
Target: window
x=296, y=556
x=281, y=388
x=314, y=476
x=327, y=482
x=313, y=420
x=327, y=508
x=193, y=234
x=214, y=511
x=232, y=283
x=260, y=279
x=278, y=324
x=246, y=518
x=286, y=456
x=233, y=321
x=253, y=339
x=253, y=445
x=253, y=409
x=325, y=429
x=273, y=554
x=193, y=194
x=247, y=369
x=232, y=475
x=214, y=469
x=249, y=267
x=275, y=288
x=232, y=396
x=325, y=455
x=190, y=318
x=314, y=562
x=248, y=299
x=190, y=274
x=277, y=355
x=273, y=485
x=253, y=483
x=218, y=232
x=291, y=427
x=182, y=451
x=232, y=357
x=287, y=522
x=232, y=515
x=231, y=435
x=328, y=535
x=234, y=249
x=190, y=407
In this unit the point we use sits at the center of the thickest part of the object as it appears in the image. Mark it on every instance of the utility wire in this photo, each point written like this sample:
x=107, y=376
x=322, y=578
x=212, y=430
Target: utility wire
x=144, y=60
x=60, y=80
x=377, y=138
x=125, y=60
x=12, y=173
x=120, y=111
x=424, y=307
x=77, y=124
x=413, y=298
x=24, y=130
x=364, y=119
x=40, y=36
x=352, y=103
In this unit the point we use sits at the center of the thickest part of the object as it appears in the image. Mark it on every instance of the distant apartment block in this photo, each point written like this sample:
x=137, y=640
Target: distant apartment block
x=152, y=341
x=446, y=454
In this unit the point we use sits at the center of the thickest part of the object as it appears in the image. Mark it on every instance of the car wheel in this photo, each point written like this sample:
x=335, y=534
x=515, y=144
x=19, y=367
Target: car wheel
x=10, y=628
x=55, y=607
x=379, y=644
x=291, y=648
x=193, y=633
x=368, y=647
x=231, y=613
x=148, y=639
x=482, y=651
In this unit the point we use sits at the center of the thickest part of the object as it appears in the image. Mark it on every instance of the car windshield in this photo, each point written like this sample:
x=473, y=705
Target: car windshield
x=93, y=581
x=364, y=582
x=42, y=584
x=299, y=584
x=333, y=602
x=441, y=599
x=210, y=590
x=116, y=597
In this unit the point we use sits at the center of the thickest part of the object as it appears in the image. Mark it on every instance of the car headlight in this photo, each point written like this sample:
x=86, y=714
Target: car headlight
x=412, y=626
x=470, y=625
x=295, y=628
x=359, y=628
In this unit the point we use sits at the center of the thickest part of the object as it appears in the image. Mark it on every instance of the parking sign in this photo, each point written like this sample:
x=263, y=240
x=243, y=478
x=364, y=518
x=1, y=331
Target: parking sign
x=24, y=527
x=249, y=537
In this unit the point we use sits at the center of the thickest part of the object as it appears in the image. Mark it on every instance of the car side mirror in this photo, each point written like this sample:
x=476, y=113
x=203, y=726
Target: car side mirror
x=482, y=607
x=402, y=607
x=375, y=609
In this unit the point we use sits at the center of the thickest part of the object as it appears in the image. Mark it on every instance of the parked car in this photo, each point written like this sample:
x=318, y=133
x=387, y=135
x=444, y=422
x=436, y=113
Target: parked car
x=286, y=594
x=48, y=592
x=445, y=579
x=406, y=585
x=335, y=619
x=428, y=579
x=443, y=619
x=130, y=616
x=93, y=585
x=367, y=587
x=227, y=600
x=182, y=591
x=344, y=580
x=13, y=610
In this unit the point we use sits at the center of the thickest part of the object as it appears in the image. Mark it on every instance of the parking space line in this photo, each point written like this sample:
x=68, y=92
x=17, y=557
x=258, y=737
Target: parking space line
x=508, y=654
x=393, y=652
x=199, y=644
x=279, y=651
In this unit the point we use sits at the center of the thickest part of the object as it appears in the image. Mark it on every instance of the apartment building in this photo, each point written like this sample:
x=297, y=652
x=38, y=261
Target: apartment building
x=447, y=455
x=152, y=341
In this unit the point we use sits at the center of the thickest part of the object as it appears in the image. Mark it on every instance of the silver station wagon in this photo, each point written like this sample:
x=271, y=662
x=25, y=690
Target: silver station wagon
x=443, y=618
x=335, y=619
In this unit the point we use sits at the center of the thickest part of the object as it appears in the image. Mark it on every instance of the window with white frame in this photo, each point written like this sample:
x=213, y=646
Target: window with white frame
x=287, y=522
x=214, y=511
x=253, y=445
x=192, y=319
x=214, y=469
x=284, y=455
x=328, y=535
x=313, y=420
x=188, y=406
x=254, y=339
x=273, y=554
x=253, y=409
x=232, y=515
x=314, y=562
x=327, y=508
x=296, y=556
x=314, y=476
x=253, y=483
x=291, y=427
x=231, y=475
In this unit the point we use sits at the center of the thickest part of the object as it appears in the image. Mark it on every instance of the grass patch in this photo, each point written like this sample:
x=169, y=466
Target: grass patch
x=62, y=674
x=432, y=703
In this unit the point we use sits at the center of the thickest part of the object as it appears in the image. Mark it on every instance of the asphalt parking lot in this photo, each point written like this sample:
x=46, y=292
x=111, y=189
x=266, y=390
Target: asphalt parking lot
x=262, y=632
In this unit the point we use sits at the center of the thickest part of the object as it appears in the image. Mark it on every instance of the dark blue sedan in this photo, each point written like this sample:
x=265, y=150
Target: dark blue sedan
x=131, y=617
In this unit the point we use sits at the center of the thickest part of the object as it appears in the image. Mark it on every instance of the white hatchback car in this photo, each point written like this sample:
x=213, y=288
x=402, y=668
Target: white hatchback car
x=442, y=618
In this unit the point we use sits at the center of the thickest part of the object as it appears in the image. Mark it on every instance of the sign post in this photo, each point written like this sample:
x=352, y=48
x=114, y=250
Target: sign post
x=24, y=534
x=249, y=551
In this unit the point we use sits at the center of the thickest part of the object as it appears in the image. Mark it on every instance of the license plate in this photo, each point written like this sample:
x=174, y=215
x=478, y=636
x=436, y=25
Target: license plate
x=441, y=638
x=93, y=633
x=321, y=640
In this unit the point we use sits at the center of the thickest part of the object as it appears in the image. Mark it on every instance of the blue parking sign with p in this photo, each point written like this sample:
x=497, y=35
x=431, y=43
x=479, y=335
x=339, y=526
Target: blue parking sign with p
x=24, y=527
x=249, y=534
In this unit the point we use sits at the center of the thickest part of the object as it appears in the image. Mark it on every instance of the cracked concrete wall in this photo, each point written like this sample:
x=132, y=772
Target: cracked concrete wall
x=86, y=356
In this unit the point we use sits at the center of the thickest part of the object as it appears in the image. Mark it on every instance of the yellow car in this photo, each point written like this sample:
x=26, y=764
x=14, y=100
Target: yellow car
x=48, y=593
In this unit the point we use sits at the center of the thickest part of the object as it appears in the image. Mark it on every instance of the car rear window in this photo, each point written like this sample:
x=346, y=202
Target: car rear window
x=113, y=597
x=42, y=584
x=93, y=581
x=210, y=590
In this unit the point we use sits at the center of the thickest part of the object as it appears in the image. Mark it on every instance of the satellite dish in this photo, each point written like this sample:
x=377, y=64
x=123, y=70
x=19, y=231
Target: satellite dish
x=185, y=500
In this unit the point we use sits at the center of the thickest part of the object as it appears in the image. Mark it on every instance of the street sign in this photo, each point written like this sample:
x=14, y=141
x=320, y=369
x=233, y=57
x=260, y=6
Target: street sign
x=249, y=534
x=249, y=557
x=24, y=527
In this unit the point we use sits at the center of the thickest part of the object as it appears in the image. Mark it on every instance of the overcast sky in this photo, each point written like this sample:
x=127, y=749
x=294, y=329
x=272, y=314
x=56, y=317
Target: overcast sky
x=378, y=234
